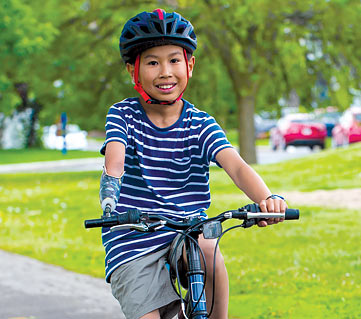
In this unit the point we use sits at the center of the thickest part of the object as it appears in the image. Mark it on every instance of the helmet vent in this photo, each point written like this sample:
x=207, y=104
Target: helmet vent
x=128, y=35
x=136, y=19
x=157, y=26
x=144, y=29
x=169, y=27
x=180, y=30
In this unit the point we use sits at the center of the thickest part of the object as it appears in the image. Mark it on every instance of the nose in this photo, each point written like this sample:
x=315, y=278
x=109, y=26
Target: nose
x=165, y=70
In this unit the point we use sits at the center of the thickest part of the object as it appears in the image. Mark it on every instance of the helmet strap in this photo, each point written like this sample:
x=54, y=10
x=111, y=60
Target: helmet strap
x=148, y=99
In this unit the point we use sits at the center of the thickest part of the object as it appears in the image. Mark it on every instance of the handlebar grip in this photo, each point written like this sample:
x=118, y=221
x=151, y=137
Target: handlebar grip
x=91, y=223
x=292, y=213
x=132, y=216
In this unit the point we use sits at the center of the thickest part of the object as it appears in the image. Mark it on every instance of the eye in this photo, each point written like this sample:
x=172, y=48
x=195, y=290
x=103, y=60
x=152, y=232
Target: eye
x=175, y=60
x=152, y=63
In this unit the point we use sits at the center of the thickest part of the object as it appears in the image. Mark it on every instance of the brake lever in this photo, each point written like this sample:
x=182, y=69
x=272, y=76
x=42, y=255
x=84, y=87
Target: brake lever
x=139, y=227
x=156, y=225
x=249, y=223
x=142, y=227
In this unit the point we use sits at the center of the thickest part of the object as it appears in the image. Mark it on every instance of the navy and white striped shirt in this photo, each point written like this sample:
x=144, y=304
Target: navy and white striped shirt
x=166, y=172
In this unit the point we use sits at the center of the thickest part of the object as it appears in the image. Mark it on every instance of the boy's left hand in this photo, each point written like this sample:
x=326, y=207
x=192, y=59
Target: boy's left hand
x=272, y=205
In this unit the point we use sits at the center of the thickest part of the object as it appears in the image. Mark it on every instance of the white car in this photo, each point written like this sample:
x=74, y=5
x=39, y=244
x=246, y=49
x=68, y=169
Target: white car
x=75, y=138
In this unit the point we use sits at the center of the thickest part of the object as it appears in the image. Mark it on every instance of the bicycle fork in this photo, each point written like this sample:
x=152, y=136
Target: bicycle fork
x=195, y=274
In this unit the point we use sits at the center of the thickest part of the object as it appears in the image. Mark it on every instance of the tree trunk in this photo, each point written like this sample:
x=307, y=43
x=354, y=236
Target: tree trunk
x=246, y=129
x=31, y=135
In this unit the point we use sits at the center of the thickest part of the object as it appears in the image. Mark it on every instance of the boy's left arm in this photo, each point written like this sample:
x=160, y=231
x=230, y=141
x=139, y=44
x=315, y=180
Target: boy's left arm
x=247, y=180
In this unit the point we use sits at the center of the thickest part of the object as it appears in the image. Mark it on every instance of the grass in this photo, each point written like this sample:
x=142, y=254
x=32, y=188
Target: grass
x=299, y=269
x=330, y=169
x=37, y=155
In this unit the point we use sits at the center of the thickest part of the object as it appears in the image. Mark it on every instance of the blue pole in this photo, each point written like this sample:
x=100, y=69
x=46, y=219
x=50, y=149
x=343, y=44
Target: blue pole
x=63, y=130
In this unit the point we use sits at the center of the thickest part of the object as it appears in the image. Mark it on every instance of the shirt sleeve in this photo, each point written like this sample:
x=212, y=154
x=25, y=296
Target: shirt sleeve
x=212, y=139
x=116, y=127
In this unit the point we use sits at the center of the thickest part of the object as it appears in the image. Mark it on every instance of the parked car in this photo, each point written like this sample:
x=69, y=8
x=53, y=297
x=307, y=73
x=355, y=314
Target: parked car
x=75, y=138
x=330, y=119
x=349, y=128
x=298, y=129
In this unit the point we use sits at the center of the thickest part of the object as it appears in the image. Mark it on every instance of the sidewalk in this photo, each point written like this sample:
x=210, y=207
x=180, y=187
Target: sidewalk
x=30, y=289
x=69, y=165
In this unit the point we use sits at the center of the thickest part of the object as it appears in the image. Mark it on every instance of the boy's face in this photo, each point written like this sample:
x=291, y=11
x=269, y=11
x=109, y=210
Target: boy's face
x=163, y=72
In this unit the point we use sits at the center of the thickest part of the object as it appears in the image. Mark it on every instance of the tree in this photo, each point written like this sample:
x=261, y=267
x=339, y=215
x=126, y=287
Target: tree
x=22, y=37
x=251, y=53
x=272, y=47
x=84, y=62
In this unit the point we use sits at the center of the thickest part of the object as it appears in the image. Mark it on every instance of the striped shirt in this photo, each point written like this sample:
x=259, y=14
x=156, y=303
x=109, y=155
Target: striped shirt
x=166, y=172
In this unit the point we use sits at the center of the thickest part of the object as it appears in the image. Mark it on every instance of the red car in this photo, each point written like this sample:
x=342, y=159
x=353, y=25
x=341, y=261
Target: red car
x=299, y=129
x=349, y=128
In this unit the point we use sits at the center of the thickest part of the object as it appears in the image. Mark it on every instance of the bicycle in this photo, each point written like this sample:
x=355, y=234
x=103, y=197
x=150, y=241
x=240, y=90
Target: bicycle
x=194, y=305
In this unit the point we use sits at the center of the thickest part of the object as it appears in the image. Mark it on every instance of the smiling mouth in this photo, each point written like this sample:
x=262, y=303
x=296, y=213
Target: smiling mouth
x=166, y=87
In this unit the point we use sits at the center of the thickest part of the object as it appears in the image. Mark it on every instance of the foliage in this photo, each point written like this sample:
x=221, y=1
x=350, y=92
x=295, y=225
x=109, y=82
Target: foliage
x=250, y=55
x=270, y=48
x=22, y=38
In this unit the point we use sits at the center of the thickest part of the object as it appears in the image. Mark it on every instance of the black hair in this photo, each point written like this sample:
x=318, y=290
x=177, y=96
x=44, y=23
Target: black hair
x=151, y=44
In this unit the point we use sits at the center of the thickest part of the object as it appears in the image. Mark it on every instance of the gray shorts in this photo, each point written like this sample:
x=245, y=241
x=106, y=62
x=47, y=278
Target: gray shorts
x=143, y=285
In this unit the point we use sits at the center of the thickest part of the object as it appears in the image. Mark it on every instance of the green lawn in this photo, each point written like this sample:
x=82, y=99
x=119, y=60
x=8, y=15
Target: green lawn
x=309, y=268
x=37, y=155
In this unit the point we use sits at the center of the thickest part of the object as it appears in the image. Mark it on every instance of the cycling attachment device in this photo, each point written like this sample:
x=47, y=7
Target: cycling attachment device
x=109, y=191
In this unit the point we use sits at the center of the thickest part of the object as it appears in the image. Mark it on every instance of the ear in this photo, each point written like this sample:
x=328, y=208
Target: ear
x=130, y=69
x=191, y=63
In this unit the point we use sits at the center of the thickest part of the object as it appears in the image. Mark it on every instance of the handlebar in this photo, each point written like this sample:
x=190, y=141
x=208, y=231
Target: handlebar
x=133, y=218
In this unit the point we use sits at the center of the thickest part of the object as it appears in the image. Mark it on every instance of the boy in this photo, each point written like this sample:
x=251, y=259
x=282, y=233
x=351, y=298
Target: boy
x=157, y=155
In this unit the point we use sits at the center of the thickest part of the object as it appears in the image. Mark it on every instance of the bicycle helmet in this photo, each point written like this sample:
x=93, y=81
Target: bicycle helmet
x=150, y=29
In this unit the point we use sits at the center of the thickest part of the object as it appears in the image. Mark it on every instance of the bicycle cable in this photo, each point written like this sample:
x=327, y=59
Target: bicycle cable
x=214, y=265
x=177, y=272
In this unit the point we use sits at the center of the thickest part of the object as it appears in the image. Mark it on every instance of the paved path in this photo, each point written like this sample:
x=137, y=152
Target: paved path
x=264, y=155
x=30, y=289
x=70, y=165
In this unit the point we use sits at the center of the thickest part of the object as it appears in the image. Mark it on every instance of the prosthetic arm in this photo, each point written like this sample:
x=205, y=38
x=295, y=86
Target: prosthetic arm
x=109, y=191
